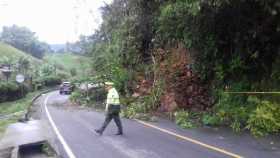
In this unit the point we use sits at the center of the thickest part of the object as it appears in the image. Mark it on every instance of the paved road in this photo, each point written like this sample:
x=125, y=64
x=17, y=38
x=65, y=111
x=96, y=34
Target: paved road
x=76, y=138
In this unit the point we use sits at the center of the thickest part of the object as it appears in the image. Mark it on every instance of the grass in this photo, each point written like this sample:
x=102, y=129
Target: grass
x=5, y=123
x=15, y=106
x=69, y=61
x=13, y=53
x=18, y=105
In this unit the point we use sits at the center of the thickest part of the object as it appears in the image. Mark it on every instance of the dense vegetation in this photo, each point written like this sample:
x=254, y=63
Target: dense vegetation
x=186, y=53
x=37, y=73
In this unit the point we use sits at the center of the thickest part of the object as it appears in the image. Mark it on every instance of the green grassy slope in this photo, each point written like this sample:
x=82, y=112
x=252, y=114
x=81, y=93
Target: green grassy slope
x=11, y=52
x=69, y=61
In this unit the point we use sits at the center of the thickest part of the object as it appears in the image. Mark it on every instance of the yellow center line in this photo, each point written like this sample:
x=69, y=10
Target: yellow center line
x=191, y=140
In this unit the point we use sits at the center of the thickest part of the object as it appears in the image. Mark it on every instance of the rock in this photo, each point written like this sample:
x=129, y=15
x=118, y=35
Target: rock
x=137, y=116
x=154, y=119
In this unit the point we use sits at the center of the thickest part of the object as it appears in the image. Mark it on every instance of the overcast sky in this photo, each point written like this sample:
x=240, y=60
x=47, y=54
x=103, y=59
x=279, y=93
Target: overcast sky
x=54, y=21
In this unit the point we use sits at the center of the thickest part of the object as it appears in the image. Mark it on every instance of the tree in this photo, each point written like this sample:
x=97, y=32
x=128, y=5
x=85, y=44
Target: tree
x=25, y=40
x=23, y=65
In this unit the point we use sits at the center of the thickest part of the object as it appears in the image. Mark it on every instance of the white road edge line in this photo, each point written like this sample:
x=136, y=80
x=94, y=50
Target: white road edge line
x=60, y=137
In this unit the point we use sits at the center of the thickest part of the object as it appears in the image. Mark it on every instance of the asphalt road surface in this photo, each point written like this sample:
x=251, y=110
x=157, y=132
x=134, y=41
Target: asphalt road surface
x=74, y=131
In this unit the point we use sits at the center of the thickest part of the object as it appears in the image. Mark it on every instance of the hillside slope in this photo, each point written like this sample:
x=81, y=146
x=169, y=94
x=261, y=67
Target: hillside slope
x=68, y=61
x=11, y=52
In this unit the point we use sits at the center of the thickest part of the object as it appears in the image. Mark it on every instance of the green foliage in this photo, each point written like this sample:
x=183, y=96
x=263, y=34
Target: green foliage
x=234, y=44
x=92, y=97
x=68, y=62
x=156, y=93
x=233, y=110
x=182, y=118
x=240, y=113
x=129, y=112
x=10, y=91
x=21, y=104
x=47, y=70
x=23, y=65
x=13, y=107
x=25, y=40
x=51, y=81
x=136, y=109
x=76, y=96
x=228, y=48
x=46, y=81
x=123, y=43
x=212, y=120
x=265, y=119
x=73, y=72
x=11, y=55
x=48, y=150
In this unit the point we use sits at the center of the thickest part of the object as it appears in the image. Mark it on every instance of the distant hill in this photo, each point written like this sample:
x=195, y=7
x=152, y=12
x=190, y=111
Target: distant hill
x=11, y=52
x=68, y=61
x=57, y=47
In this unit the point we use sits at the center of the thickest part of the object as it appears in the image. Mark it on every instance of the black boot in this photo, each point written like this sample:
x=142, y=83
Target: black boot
x=98, y=131
x=119, y=133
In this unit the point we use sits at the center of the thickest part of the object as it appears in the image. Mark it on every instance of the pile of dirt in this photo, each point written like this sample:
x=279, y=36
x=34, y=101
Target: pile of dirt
x=182, y=88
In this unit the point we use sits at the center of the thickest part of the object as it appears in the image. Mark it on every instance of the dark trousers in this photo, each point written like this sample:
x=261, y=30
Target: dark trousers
x=109, y=117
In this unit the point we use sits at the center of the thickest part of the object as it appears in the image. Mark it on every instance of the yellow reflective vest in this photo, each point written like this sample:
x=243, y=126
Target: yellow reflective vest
x=112, y=98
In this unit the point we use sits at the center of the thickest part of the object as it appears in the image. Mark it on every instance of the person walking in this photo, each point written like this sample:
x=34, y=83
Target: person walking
x=112, y=109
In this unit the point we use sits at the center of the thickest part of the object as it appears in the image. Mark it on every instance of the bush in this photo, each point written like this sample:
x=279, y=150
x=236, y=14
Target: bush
x=265, y=119
x=182, y=119
x=243, y=112
x=11, y=91
x=93, y=97
x=129, y=112
x=133, y=109
x=76, y=96
x=212, y=120
x=232, y=110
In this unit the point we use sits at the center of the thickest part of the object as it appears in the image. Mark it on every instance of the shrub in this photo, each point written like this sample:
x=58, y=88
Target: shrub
x=182, y=119
x=133, y=109
x=265, y=119
x=76, y=96
x=211, y=120
x=129, y=112
x=38, y=84
x=233, y=110
x=10, y=91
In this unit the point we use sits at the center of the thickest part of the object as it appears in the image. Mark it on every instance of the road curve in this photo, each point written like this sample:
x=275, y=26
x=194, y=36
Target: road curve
x=75, y=131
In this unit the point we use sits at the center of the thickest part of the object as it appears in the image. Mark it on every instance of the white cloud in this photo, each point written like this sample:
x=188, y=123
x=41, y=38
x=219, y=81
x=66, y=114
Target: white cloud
x=54, y=21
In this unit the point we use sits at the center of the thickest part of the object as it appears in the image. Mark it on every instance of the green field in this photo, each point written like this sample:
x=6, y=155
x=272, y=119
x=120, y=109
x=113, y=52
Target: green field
x=11, y=52
x=69, y=61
